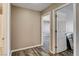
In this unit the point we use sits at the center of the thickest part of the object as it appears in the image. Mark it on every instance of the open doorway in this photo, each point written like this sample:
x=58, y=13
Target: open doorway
x=64, y=29
x=45, y=30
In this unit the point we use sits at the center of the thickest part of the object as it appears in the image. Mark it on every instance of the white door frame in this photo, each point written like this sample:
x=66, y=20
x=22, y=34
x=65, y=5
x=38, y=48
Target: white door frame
x=50, y=41
x=6, y=28
x=74, y=27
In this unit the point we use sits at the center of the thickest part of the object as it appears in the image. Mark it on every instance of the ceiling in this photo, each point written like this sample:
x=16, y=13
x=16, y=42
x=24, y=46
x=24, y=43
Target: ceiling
x=33, y=6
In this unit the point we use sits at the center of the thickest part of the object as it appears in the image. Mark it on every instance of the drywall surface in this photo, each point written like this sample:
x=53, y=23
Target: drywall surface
x=25, y=28
x=77, y=29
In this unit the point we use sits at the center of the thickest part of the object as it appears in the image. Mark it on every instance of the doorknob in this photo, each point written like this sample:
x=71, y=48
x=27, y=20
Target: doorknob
x=3, y=38
x=55, y=30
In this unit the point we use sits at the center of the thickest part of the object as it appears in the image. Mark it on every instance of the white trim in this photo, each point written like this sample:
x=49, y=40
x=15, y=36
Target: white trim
x=53, y=31
x=41, y=32
x=8, y=29
x=50, y=40
x=6, y=34
x=24, y=48
x=74, y=27
x=51, y=51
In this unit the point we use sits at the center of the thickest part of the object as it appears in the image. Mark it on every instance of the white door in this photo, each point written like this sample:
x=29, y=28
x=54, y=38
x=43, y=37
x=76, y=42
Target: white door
x=61, y=30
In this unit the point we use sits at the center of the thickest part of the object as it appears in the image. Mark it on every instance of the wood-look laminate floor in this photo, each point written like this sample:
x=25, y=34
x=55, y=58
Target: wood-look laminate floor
x=64, y=53
x=38, y=51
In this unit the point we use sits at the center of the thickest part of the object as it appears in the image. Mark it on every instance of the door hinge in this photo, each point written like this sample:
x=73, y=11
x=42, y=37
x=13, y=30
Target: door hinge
x=56, y=15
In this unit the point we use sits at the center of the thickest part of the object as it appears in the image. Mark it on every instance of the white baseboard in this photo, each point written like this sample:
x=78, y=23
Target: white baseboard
x=24, y=48
x=53, y=52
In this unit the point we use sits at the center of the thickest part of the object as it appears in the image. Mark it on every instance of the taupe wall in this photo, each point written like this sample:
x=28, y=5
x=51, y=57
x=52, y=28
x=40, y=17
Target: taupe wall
x=77, y=29
x=25, y=28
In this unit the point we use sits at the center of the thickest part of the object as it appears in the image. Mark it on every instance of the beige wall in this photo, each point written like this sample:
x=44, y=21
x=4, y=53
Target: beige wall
x=50, y=9
x=25, y=28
